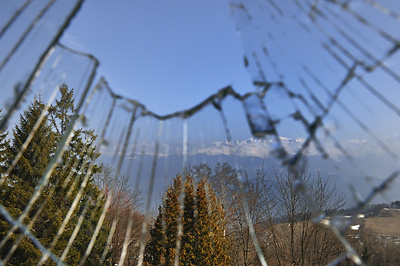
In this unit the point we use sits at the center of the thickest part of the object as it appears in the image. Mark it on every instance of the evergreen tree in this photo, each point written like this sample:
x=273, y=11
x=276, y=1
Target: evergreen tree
x=56, y=199
x=67, y=179
x=35, y=158
x=20, y=184
x=62, y=111
x=203, y=240
x=81, y=151
x=210, y=228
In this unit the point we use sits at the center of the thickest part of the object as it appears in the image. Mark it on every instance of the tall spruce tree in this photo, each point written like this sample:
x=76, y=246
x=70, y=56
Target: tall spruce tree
x=35, y=158
x=82, y=150
x=56, y=199
x=62, y=111
x=77, y=161
x=20, y=183
x=203, y=241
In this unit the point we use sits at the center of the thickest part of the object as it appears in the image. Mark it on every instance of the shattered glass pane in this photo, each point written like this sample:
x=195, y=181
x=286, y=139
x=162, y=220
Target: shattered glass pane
x=310, y=152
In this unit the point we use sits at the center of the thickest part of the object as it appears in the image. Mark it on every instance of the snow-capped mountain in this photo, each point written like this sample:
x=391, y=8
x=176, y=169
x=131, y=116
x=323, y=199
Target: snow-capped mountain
x=251, y=147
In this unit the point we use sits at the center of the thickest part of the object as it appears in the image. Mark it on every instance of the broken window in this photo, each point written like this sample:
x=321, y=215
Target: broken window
x=324, y=101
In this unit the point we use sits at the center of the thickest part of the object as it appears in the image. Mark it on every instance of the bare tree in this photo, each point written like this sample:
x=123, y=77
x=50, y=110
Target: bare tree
x=295, y=240
x=257, y=193
x=122, y=212
x=278, y=213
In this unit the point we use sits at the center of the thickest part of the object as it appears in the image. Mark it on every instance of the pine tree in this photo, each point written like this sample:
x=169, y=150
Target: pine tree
x=203, y=240
x=35, y=158
x=81, y=150
x=53, y=203
x=61, y=112
x=68, y=177
x=20, y=183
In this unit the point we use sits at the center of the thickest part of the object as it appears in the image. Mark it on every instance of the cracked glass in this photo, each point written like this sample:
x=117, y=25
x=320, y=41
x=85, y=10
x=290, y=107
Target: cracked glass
x=314, y=182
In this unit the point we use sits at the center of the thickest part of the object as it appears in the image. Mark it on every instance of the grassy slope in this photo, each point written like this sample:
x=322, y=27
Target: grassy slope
x=384, y=226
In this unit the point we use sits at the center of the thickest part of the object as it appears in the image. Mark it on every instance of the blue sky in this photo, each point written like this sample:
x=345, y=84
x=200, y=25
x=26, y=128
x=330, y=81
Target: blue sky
x=169, y=55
